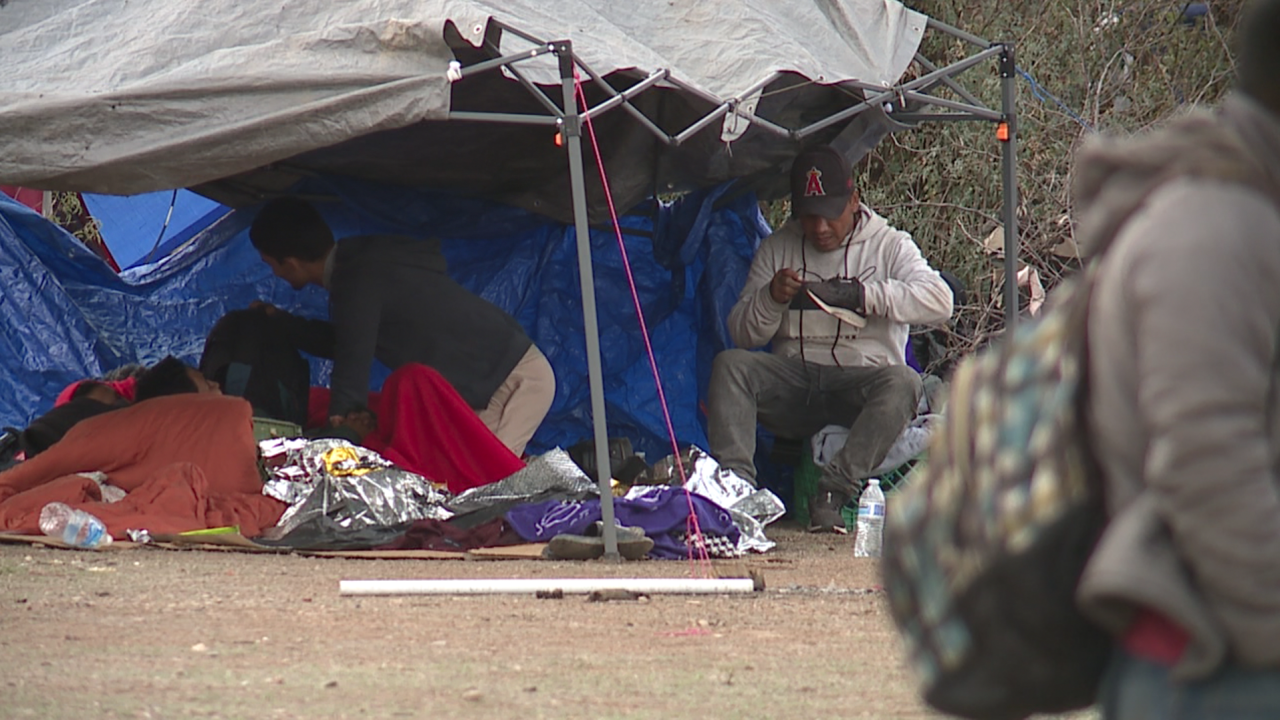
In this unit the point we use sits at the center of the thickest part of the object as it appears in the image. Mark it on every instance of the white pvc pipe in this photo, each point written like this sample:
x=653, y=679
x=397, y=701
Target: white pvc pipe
x=496, y=586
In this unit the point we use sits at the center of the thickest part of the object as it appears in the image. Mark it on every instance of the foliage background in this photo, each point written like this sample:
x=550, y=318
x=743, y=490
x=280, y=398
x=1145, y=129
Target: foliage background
x=1088, y=66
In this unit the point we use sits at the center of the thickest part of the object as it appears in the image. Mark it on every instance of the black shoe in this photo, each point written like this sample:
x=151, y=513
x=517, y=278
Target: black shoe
x=584, y=454
x=824, y=512
x=841, y=298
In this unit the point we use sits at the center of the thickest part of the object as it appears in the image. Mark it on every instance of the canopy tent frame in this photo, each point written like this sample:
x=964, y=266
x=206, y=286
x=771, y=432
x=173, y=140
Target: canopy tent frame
x=369, y=91
x=569, y=119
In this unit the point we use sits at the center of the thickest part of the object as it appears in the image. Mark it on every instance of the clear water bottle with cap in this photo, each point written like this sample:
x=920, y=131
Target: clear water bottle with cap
x=870, y=521
x=73, y=527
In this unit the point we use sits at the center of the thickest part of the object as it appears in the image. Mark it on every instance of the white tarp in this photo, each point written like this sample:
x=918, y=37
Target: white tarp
x=124, y=97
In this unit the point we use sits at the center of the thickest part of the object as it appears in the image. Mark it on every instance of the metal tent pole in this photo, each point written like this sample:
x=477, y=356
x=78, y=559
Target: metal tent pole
x=571, y=130
x=1009, y=176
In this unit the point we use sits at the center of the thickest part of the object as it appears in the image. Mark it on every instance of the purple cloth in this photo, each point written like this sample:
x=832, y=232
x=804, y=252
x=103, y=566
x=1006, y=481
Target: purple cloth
x=660, y=511
x=911, y=357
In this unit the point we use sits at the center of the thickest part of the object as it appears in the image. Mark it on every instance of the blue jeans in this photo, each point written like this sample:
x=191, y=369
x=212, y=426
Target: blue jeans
x=1136, y=689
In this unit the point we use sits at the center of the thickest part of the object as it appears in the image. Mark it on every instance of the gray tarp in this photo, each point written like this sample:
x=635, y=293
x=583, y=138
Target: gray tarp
x=125, y=97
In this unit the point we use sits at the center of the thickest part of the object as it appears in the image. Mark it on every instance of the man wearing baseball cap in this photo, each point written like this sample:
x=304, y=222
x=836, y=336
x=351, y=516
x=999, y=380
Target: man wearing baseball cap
x=832, y=292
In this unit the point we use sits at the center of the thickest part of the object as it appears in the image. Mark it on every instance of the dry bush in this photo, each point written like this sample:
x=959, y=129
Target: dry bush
x=1112, y=66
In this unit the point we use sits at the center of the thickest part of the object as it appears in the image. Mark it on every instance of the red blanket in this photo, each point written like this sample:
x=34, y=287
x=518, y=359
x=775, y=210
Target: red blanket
x=187, y=461
x=425, y=426
x=126, y=388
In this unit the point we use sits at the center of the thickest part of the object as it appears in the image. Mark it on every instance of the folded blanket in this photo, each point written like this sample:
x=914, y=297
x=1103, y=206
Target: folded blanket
x=662, y=512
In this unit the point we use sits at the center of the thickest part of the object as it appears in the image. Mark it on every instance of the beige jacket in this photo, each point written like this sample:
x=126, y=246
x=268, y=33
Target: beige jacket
x=1183, y=337
x=900, y=289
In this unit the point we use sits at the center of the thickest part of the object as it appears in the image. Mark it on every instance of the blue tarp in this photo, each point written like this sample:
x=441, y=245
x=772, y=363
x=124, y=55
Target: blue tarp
x=68, y=316
x=143, y=228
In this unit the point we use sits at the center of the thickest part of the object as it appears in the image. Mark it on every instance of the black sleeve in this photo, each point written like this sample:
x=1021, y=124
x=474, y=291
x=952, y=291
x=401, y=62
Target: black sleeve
x=355, y=308
x=314, y=337
x=49, y=428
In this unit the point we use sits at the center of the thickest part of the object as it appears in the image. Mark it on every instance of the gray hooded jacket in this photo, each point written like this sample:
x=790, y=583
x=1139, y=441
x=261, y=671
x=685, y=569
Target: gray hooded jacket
x=1184, y=327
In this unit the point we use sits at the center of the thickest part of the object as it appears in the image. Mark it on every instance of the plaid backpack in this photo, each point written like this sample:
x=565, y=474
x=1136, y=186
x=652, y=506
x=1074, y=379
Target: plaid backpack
x=985, y=544
x=987, y=541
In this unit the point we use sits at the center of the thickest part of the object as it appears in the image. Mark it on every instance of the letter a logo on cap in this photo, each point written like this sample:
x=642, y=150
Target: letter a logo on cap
x=813, y=186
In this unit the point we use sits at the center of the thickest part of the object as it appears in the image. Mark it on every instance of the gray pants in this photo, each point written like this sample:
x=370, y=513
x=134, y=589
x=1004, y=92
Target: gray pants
x=793, y=400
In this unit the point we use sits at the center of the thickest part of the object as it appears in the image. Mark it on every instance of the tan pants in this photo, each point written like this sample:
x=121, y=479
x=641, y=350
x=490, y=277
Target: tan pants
x=518, y=406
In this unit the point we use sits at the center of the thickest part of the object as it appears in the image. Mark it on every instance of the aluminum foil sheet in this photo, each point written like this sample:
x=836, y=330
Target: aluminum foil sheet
x=750, y=507
x=553, y=470
x=352, y=486
x=752, y=538
x=110, y=493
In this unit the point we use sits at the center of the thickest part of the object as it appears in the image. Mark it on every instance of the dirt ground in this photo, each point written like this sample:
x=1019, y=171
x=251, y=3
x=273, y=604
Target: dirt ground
x=153, y=633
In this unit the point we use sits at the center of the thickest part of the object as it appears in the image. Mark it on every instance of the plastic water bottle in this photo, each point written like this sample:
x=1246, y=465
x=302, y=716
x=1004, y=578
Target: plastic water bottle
x=73, y=527
x=870, y=521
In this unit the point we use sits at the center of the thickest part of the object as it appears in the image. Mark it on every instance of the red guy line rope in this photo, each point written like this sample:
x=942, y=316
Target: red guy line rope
x=696, y=541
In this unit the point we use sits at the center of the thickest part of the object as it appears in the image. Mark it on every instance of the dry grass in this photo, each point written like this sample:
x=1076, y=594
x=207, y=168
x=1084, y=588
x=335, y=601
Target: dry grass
x=1091, y=66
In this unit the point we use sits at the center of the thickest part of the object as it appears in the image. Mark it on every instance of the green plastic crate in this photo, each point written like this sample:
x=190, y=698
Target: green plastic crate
x=267, y=428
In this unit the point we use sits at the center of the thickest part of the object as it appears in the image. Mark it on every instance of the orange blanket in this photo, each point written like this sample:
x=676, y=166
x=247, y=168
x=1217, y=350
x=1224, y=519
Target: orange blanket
x=188, y=462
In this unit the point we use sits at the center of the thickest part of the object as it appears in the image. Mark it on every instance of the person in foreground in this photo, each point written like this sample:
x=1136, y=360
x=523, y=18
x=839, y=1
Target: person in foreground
x=390, y=297
x=834, y=290
x=1182, y=409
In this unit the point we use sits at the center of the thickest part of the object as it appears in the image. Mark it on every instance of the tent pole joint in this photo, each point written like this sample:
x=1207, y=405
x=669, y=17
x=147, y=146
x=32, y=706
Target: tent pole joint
x=1007, y=67
x=563, y=49
x=571, y=124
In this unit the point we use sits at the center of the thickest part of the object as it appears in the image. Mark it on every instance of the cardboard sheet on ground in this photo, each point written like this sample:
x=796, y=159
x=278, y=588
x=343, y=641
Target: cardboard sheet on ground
x=14, y=538
x=239, y=543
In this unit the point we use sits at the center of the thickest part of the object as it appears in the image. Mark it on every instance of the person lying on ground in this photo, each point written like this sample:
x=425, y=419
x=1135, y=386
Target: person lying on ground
x=171, y=376
x=90, y=398
x=121, y=379
x=391, y=298
x=185, y=461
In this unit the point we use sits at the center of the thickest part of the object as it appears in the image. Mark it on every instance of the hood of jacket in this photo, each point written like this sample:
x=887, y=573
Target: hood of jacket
x=1114, y=175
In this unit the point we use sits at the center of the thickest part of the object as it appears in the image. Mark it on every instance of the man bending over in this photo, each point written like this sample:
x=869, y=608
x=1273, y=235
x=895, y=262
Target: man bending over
x=390, y=297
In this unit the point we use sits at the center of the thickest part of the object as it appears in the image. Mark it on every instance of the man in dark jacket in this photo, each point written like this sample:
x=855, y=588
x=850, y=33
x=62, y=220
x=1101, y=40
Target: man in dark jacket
x=390, y=297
